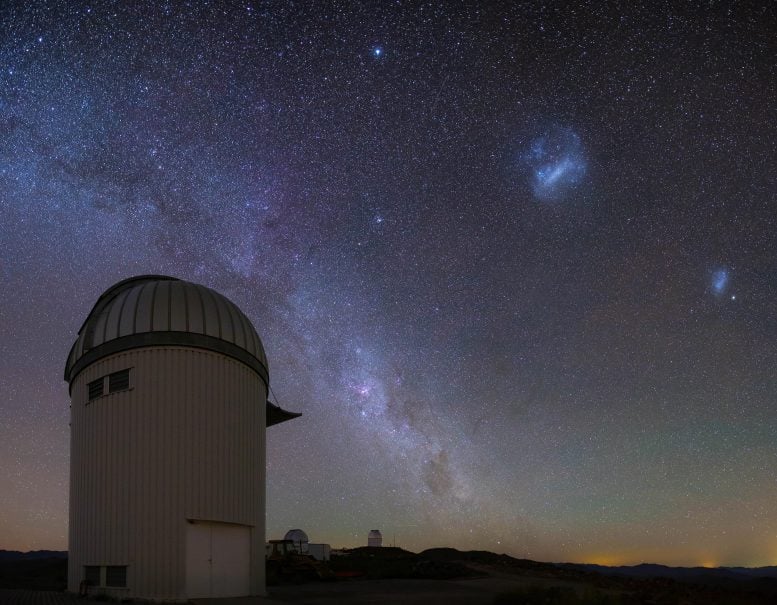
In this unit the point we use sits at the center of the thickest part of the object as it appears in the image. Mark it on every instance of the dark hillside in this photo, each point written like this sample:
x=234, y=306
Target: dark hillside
x=16, y=555
x=34, y=573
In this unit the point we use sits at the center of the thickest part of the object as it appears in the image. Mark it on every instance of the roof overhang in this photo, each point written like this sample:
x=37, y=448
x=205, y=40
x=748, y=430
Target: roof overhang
x=276, y=414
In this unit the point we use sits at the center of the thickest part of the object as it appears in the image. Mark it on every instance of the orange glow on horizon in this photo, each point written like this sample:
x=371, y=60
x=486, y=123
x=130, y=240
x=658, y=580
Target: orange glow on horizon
x=709, y=562
x=608, y=560
x=634, y=557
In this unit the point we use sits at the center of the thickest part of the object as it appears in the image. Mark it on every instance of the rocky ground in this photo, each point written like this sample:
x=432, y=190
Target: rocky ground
x=10, y=596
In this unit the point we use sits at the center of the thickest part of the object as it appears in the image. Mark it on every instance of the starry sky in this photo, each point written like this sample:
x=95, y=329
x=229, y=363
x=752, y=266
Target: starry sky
x=516, y=263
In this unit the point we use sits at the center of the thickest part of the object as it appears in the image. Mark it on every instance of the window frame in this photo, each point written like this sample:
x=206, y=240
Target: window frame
x=123, y=569
x=102, y=575
x=105, y=384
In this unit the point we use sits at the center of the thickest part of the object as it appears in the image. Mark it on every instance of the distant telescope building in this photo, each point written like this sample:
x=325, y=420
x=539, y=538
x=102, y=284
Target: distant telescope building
x=299, y=538
x=375, y=538
x=168, y=384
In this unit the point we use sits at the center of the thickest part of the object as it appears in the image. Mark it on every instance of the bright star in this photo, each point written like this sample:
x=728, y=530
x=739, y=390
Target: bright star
x=377, y=51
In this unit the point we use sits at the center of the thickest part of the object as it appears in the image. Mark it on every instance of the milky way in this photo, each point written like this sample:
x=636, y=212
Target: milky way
x=479, y=244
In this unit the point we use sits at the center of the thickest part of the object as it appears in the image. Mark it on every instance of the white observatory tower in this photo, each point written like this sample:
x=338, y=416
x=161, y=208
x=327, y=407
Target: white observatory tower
x=374, y=538
x=168, y=384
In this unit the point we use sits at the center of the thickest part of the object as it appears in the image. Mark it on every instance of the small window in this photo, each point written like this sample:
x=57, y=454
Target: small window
x=92, y=575
x=118, y=381
x=116, y=576
x=95, y=389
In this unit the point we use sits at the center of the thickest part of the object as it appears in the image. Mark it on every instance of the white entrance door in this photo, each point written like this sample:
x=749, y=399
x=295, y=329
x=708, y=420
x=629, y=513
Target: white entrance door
x=217, y=559
x=231, y=565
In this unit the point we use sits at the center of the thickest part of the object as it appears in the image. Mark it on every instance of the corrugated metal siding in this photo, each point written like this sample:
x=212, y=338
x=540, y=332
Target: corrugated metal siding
x=187, y=441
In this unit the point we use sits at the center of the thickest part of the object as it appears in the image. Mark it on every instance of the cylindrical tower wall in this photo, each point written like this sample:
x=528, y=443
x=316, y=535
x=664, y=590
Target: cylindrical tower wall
x=374, y=538
x=185, y=441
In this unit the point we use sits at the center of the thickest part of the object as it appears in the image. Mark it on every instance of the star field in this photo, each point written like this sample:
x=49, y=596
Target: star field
x=514, y=263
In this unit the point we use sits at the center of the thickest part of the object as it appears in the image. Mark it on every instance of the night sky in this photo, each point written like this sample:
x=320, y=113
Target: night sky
x=515, y=263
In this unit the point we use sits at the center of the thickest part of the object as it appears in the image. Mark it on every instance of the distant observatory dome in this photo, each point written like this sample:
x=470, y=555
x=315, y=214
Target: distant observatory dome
x=375, y=538
x=299, y=537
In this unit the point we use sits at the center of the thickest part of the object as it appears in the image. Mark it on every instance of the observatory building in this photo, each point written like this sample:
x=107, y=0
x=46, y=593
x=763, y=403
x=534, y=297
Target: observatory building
x=168, y=384
x=299, y=538
x=374, y=538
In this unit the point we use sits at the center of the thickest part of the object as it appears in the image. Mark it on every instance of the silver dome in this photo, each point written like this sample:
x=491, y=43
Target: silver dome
x=156, y=310
x=297, y=536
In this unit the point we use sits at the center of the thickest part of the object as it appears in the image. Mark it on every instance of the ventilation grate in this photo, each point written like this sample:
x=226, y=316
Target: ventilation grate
x=95, y=389
x=118, y=381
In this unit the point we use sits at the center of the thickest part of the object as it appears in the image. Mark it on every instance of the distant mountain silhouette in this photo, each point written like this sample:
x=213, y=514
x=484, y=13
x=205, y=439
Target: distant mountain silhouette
x=15, y=555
